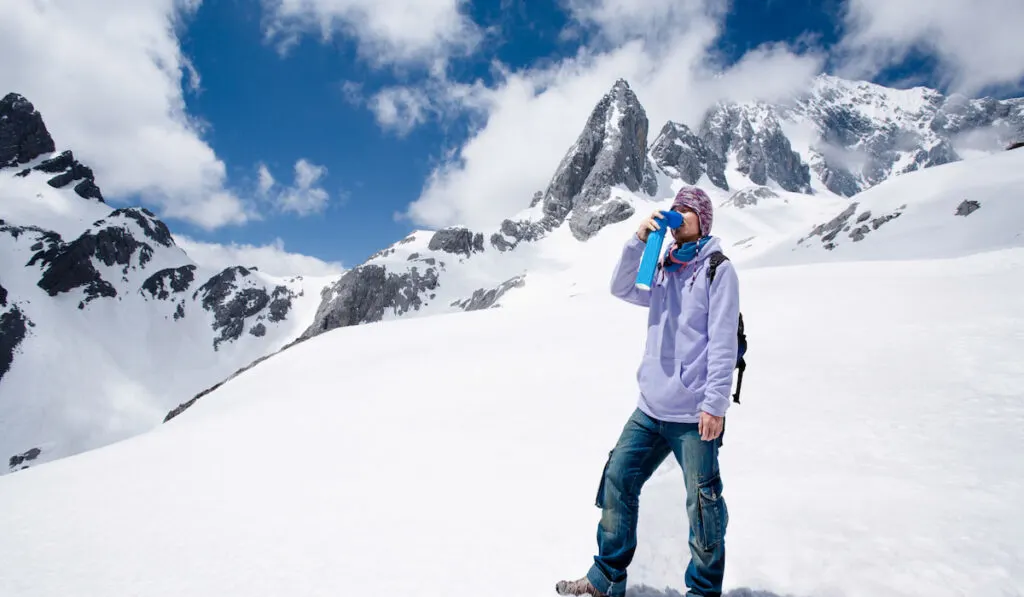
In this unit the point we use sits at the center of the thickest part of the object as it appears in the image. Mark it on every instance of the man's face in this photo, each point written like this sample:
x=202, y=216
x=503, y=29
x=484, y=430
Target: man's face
x=690, y=230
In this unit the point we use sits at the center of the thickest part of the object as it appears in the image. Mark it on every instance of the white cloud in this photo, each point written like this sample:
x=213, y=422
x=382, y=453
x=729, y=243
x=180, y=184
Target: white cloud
x=304, y=197
x=976, y=42
x=270, y=258
x=400, y=108
x=107, y=76
x=389, y=32
x=266, y=180
x=663, y=48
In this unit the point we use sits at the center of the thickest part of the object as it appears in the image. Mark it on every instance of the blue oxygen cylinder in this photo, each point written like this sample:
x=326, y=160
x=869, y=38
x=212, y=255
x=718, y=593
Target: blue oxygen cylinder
x=649, y=261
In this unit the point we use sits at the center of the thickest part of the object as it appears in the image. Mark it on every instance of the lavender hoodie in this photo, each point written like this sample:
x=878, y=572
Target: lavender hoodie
x=691, y=349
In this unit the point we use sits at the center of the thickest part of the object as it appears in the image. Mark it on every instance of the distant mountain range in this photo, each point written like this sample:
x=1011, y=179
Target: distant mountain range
x=107, y=327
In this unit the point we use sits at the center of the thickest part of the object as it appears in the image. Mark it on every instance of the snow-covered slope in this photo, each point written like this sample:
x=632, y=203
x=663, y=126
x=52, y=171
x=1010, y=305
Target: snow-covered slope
x=876, y=454
x=945, y=211
x=105, y=323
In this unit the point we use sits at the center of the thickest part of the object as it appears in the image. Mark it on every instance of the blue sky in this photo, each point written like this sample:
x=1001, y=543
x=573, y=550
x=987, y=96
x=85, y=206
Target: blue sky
x=425, y=113
x=263, y=107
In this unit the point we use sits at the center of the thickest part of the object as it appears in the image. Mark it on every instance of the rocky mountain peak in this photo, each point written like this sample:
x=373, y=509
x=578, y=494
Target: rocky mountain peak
x=23, y=135
x=611, y=151
x=751, y=134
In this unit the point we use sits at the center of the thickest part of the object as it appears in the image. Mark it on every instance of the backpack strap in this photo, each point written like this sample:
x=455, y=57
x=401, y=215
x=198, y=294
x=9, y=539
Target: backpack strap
x=742, y=363
x=714, y=260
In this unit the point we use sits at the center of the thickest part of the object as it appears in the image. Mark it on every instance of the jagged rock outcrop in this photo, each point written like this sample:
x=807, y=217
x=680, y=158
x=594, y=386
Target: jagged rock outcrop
x=365, y=293
x=13, y=328
x=751, y=133
x=869, y=133
x=679, y=153
x=512, y=233
x=967, y=207
x=69, y=170
x=485, y=299
x=168, y=281
x=858, y=227
x=23, y=135
x=457, y=240
x=234, y=305
x=18, y=460
x=761, y=148
x=611, y=150
x=67, y=266
x=750, y=196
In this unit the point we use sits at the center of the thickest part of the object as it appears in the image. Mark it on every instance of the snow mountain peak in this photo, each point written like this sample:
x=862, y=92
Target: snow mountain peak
x=23, y=135
x=148, y=326
x=611, y=151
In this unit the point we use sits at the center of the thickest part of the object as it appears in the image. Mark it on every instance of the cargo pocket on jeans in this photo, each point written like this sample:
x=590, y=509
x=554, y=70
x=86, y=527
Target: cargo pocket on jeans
x=599, y=500
x=712, y=515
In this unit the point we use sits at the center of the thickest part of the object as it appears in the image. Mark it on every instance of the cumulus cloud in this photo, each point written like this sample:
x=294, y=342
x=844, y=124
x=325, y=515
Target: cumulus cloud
x=388, y=32
x=271, y=258
x=401, y=109
x=976, y=43
x=663, y=48
x=304, y=197
x=108, y=77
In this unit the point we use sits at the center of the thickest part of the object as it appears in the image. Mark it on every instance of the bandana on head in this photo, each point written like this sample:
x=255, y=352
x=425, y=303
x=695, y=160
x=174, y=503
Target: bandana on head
x=697, y=200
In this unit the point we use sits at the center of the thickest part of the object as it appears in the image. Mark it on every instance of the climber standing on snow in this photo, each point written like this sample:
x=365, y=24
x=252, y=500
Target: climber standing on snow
x=685, y=379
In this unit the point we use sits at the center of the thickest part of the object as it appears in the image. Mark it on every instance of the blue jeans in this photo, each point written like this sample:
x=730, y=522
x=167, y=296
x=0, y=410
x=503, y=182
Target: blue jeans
x=642, y=447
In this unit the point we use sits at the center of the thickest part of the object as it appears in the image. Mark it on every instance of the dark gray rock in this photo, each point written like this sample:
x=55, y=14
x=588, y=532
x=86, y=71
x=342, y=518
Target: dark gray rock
x=967, y=207
x=611, y=150
x=829, y=230
x=19, y=459
x=23, y=135
x=485, y=299
x=457, y=240
x=608, y=212
x=13, y=328
x=259, y=330
x=751, y=196
x=878, y=222
x=69, y=170
x=3, y=296
x=837, y=179
x=151, y=226
x=365, y=293
x=679, y=153
x=858, y=228
x=280, y=303
x=179, y=311
x=170, y=280
x=232, y=305
x=512, y=233
x=68, y=266
x=763, y=152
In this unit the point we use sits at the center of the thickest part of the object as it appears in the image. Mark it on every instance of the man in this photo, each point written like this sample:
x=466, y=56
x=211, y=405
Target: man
x=685, y=379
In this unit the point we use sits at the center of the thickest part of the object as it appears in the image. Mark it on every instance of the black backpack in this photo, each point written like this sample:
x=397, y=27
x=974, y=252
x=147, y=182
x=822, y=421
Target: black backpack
x=715, y=260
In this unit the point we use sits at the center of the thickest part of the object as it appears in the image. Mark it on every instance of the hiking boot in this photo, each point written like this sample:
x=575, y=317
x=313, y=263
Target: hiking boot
x=577, y=587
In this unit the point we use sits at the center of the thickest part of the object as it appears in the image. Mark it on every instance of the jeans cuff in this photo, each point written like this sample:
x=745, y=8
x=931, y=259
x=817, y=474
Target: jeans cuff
x=601, y=583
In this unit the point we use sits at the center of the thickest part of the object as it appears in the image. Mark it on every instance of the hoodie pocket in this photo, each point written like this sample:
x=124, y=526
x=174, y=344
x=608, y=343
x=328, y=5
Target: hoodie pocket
x=660, y=381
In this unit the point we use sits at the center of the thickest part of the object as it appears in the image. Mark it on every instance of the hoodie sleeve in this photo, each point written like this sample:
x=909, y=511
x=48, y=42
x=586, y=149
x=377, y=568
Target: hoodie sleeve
x=624, y=277
x=723, y=324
